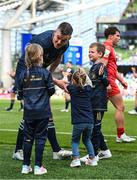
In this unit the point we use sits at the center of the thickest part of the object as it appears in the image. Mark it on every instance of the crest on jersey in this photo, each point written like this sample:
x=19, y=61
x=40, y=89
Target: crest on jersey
x=107, y=52
x=92, y=75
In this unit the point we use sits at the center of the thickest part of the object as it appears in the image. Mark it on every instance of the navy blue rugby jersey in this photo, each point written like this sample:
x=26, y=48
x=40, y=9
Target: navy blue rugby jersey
x=100, y=83
x=81, y=108
x=35, y=87
x=50, y=52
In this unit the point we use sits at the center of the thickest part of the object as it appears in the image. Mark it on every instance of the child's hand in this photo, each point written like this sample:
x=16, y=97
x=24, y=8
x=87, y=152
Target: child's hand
x=101, y=70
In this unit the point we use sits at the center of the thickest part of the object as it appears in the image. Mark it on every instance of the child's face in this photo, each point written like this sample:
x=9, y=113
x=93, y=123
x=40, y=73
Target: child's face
x=93, y=54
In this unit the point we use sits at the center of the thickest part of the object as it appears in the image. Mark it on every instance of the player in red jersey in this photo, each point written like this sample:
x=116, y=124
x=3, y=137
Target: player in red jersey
x=112, y=35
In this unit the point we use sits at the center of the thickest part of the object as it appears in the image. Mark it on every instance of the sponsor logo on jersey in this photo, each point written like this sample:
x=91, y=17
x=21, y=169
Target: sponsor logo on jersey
x=107, y=52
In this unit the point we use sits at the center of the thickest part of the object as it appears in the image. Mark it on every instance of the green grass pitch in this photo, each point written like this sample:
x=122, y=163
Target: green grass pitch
x=122, y=165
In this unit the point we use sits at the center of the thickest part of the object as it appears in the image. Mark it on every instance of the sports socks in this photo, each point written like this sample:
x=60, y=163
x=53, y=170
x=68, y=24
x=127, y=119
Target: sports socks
x=21, y=105
x=12, y=103
x=120, y=131
x=52, y=136
x=67, y=104
x=20, y=137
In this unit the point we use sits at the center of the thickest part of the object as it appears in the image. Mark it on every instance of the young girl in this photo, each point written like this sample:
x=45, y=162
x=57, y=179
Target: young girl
x=35, y=87
x=82, y=117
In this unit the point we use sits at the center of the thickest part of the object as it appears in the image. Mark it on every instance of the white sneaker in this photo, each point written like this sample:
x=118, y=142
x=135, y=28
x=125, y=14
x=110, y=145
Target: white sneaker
x=91, y=162
x=124, y=138
x=39, y=170
x=26, y=169
x=97, y=158
x=132, y=112
x=64, y=110
x=85, y=158
x=56, y=156
x=104, y=154
x=75, y=163
x=18, y=155
x=61, y=154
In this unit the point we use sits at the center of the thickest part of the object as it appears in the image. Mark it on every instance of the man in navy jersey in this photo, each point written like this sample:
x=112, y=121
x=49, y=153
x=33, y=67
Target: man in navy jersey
x=54, y=44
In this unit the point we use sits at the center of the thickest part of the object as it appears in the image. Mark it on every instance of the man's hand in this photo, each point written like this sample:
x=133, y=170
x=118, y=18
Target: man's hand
x=134, y=72
x=61, y=83
x=124, y=84
x=121, y=80
x=133, y=69
x=11, y=74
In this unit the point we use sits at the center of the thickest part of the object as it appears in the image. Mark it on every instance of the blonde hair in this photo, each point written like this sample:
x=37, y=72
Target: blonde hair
x=79, y=77
x=33, y=55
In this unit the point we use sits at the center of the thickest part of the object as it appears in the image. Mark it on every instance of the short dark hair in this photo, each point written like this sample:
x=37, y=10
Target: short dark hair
x=111, y=31
x=100, y=47
x=65, y=28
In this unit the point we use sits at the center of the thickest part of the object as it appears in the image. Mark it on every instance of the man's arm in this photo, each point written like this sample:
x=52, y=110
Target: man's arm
x=61, y=83
x=55, y=64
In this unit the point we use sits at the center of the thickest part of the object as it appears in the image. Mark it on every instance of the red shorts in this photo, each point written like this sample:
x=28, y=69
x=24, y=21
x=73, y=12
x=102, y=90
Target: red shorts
x=114, y=88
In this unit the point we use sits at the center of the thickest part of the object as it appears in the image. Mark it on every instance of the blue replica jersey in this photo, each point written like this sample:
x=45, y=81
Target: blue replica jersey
x=100, y=83
x=50, y=52
x=35, y=87
x=81, y=108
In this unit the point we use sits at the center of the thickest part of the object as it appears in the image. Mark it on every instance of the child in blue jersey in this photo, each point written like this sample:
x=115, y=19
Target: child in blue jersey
x=99, y=98
x=98, y=77
x=101, y=86
x=81, y=117
x=35, y=86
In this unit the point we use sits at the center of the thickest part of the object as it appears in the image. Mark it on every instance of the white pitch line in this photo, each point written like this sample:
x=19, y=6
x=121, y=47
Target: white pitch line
x=9, y=130
x=65, y=133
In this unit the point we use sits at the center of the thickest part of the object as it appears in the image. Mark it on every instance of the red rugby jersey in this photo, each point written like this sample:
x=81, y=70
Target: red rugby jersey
x=110, y=57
